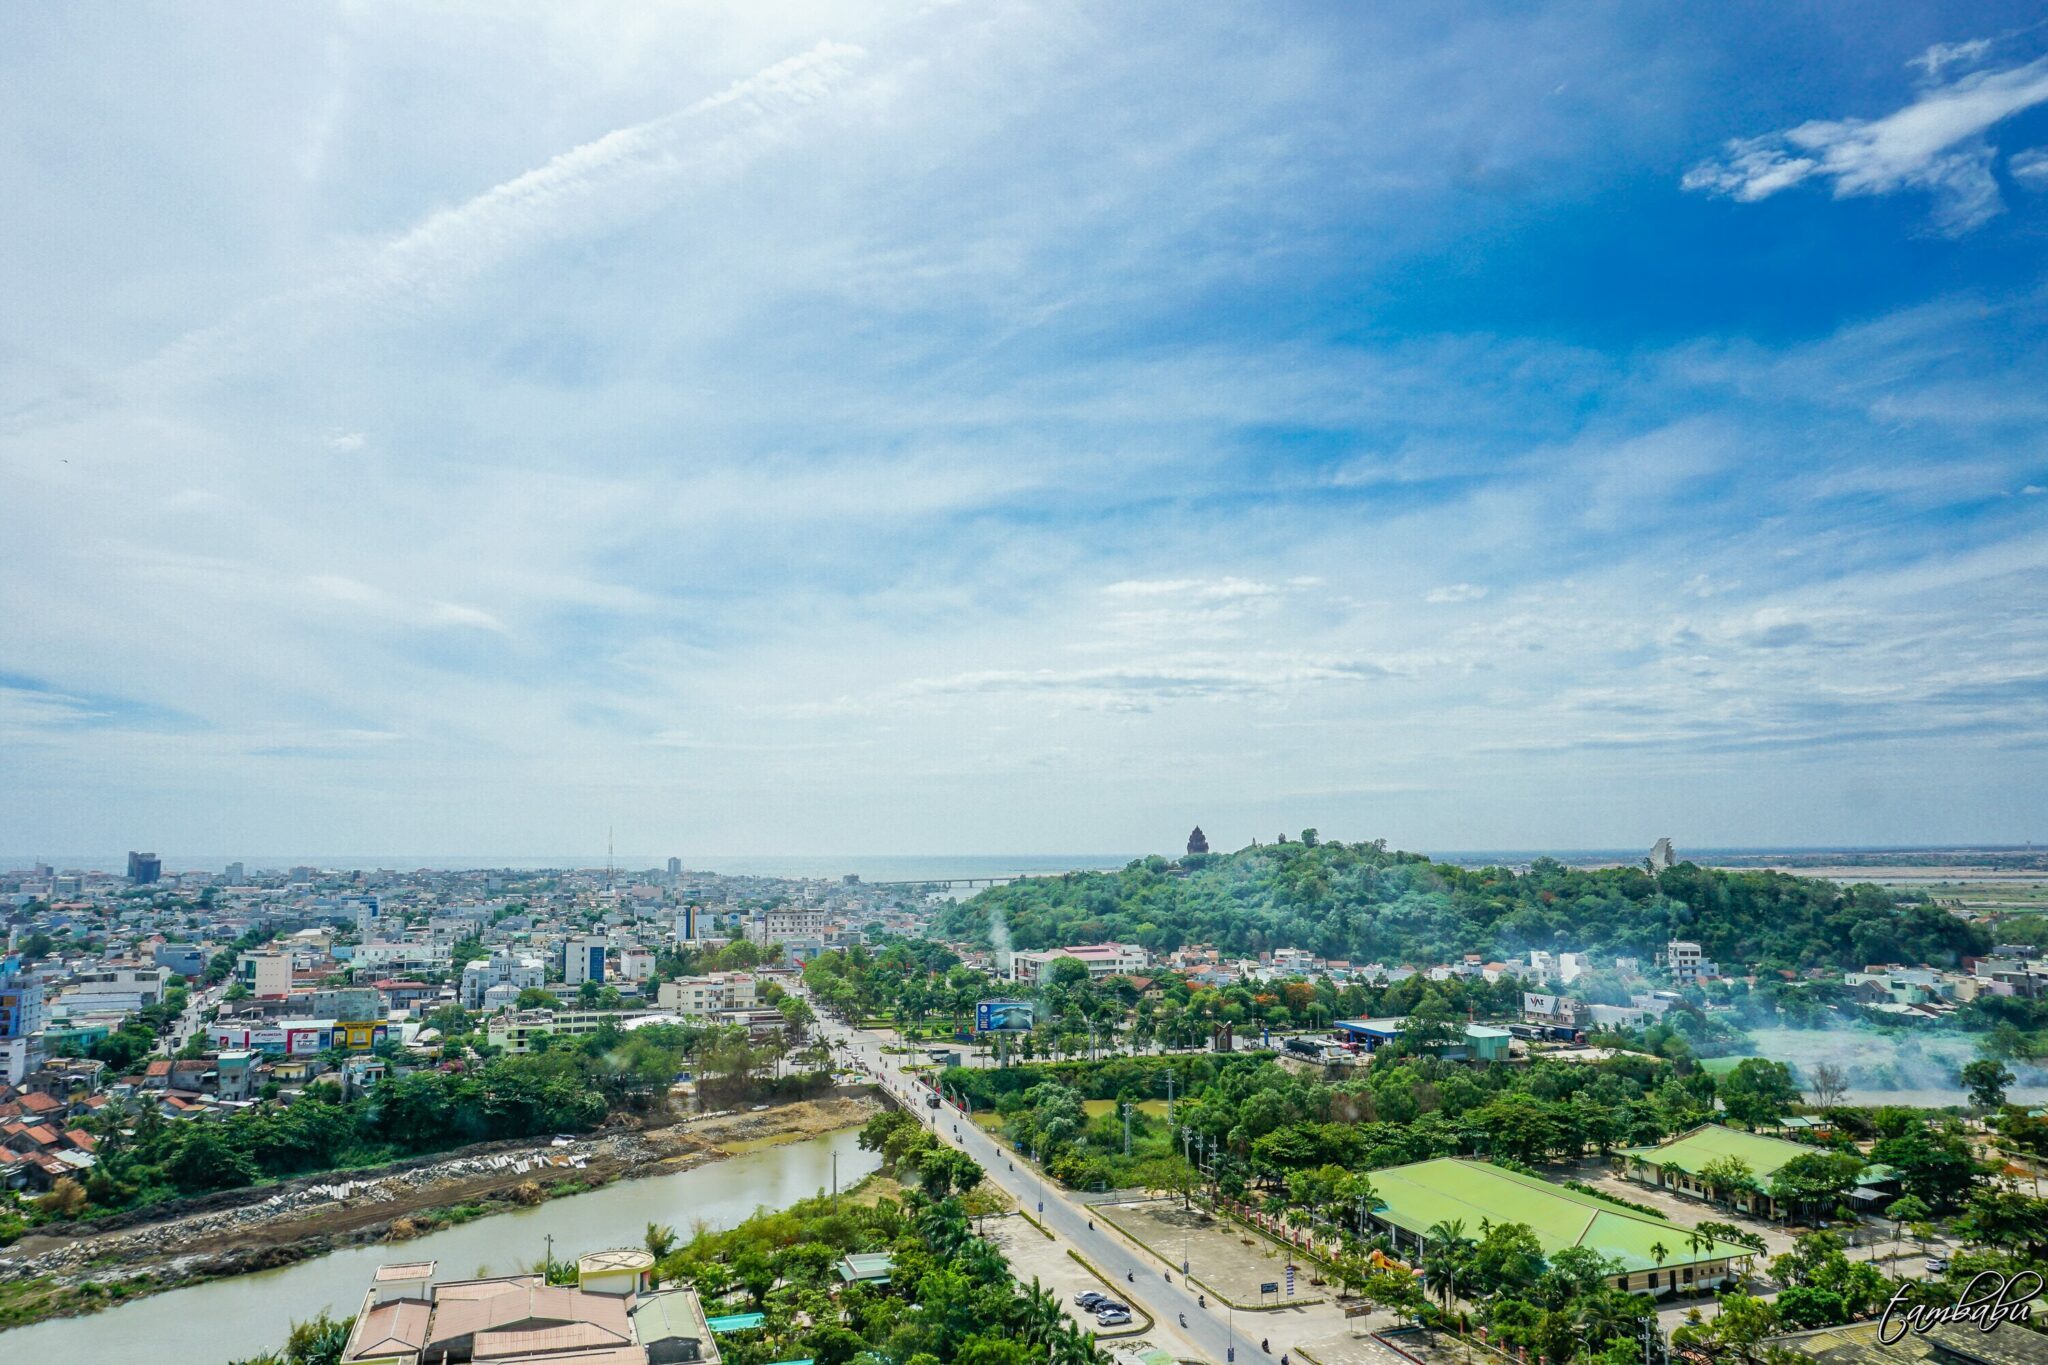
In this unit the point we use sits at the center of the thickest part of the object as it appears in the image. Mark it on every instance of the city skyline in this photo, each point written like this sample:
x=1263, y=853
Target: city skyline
x=1007, y=429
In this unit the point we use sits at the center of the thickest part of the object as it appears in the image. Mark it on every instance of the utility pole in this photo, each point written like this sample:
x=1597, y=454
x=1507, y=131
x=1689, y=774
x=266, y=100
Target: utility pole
x=1127, y=1127
x=549, y=1264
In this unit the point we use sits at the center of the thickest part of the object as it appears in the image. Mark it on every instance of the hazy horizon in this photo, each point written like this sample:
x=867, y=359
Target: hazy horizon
x=901, y=865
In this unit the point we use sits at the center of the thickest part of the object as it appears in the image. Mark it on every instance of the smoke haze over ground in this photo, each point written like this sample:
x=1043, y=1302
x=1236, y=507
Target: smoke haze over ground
x=1885, y=1067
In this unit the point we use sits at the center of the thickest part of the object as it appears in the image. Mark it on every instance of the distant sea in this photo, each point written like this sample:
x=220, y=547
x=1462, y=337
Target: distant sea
x=868, y=867
x=895, y=867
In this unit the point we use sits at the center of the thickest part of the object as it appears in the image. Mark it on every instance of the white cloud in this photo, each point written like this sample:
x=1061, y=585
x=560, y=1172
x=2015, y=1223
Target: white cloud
x=1140, y=686
x=1934, y=144
x=1941, y=56
x=585, y=189
x=879, y=463
x=32, y=716
x=2029, y=168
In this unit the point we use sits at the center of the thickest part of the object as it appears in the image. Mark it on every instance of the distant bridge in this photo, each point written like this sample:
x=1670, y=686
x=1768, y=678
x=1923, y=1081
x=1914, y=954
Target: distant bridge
x=1002, y=880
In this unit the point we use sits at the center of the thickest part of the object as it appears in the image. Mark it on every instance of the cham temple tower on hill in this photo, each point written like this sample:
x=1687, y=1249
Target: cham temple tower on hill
x=1198, y=842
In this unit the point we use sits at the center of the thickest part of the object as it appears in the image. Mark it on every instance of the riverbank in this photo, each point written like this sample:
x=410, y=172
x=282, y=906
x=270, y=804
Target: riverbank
x=85, y=1268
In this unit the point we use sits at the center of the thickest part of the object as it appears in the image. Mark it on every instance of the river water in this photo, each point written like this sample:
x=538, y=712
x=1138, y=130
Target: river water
x=209, y=1324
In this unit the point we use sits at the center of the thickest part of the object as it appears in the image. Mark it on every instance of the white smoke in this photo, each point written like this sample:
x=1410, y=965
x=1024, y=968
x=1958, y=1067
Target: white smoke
x=1885, y=1066
x=999, y=938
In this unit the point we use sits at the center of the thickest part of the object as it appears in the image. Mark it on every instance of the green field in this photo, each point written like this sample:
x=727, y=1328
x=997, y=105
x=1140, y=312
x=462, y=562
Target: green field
x=1097, y=1108
x=993, y=1122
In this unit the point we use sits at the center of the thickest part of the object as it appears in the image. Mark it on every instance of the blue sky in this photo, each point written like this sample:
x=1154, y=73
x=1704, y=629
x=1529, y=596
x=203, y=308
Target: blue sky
x=830, y=428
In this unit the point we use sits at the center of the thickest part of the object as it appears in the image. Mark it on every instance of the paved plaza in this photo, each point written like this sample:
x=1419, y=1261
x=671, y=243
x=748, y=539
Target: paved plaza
x=1223, y=1258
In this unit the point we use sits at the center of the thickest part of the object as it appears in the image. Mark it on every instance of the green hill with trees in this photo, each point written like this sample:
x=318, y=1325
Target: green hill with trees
x=1367, y=903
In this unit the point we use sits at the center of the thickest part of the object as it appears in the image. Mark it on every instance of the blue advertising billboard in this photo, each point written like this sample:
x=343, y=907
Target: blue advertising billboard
x=1003, y=1016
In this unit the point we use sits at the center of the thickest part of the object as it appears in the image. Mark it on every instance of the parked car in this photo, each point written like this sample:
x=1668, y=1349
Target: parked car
x=1112, y=1317
x=1937, y=1265
x=1088, y=1298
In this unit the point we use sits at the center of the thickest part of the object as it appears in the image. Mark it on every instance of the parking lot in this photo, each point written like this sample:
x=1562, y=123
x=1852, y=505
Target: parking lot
x=1029, y=1254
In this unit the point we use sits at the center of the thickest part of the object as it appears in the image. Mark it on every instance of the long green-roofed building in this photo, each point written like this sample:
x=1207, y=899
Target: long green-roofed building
x=1676, y=1164
x=1414, y=1199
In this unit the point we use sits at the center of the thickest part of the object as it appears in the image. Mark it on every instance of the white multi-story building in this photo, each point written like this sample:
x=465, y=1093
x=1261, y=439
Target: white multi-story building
x=515, y=1032
x=701, y=997
x=1684, y=960
x=112, y=990
x=21, y=1020
x=401, y=957
x=1101, y=959
x=265, y=974
x=788, y=923
x=502, y=968
x=583, y=959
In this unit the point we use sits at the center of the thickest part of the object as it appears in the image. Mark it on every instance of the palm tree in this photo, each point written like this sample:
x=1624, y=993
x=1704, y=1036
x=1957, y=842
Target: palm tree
x=1446, y=1244
x=1072, y=1346
x=661, y=1240
x=1041, y=1315
x=1602, y=1317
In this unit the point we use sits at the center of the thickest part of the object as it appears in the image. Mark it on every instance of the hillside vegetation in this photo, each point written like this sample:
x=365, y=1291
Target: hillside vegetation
x=1367, y=903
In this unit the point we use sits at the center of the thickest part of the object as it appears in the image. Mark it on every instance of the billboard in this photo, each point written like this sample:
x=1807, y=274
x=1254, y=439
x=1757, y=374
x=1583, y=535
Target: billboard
x=1004, y=1016
x=358, y=1037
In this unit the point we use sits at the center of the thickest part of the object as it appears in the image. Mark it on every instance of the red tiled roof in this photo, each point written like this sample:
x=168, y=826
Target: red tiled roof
x=395, y=1328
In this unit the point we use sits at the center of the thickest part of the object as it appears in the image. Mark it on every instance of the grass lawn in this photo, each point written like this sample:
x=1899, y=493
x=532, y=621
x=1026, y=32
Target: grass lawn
x=1097, y=1108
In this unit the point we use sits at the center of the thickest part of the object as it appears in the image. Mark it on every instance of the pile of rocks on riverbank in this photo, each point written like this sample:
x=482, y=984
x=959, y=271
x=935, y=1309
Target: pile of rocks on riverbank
x=172, y=1247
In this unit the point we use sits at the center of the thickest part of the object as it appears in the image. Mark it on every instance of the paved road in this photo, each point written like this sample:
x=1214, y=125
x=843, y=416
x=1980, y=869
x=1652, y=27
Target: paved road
x=1213, y=1333
x=191, y=1021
